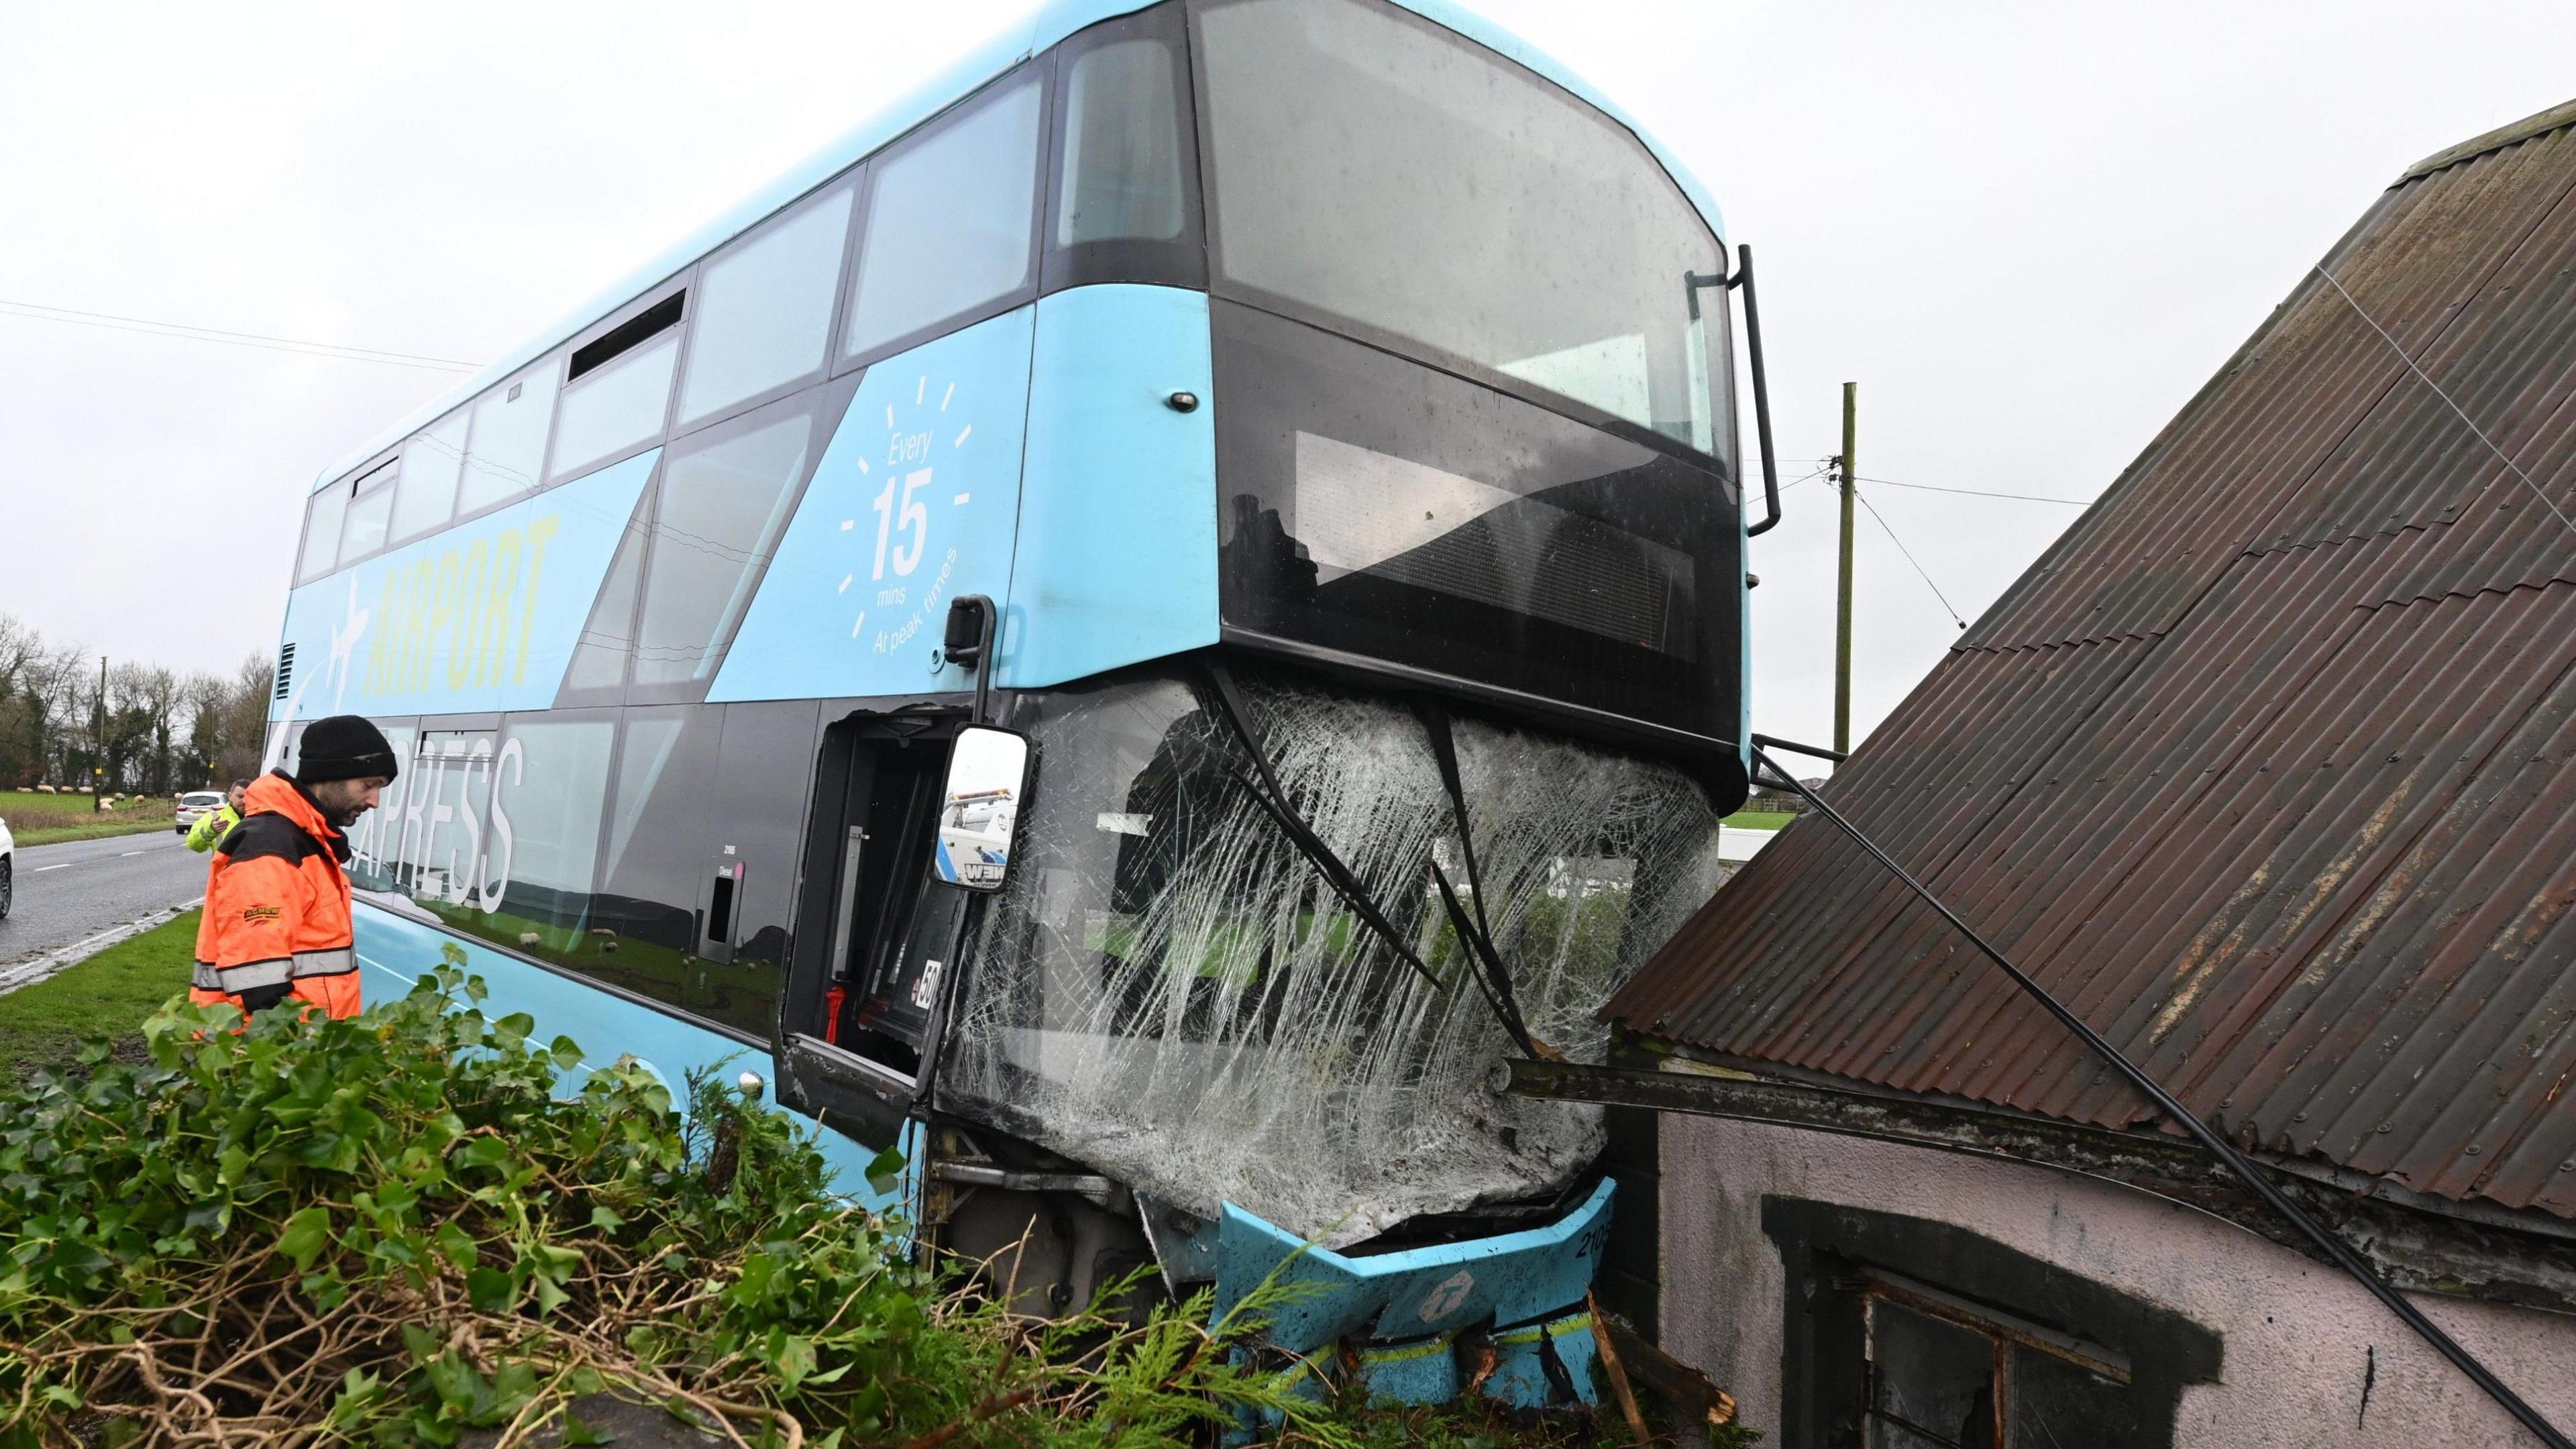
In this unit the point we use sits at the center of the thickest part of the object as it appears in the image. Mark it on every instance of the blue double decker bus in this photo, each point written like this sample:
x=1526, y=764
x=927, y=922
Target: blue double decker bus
x=1131, y=629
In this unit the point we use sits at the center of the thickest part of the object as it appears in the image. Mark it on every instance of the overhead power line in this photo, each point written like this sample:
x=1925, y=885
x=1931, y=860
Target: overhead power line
x=1809, y=478
x=2427, y=379
x=150, y=327
x=1863, y=499
x=1982, y=493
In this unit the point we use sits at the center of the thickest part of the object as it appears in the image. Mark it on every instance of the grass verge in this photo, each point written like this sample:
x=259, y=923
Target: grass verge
x=108, y=995
x=405, y=1229
x=94, y=829
x=400, y=1231
x=49, y=819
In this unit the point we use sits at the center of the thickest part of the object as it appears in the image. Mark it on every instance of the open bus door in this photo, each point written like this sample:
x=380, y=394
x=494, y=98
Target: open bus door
x=899, y=800
x=876, y=934
x=914, y=817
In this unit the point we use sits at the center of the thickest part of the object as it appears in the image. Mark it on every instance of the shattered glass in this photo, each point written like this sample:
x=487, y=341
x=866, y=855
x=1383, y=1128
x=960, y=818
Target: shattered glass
x=1168, y=991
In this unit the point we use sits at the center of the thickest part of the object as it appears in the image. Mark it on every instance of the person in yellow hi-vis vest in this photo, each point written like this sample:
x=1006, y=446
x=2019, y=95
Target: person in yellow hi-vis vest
x=212, y=826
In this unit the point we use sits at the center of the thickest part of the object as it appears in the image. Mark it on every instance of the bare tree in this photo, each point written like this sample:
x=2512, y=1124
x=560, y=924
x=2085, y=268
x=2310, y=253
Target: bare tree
x=202, y=702
x=57, y=728
x=243, y=726
x=148, y=728
x=19, y=646
x=22, y=727
x=156, y=695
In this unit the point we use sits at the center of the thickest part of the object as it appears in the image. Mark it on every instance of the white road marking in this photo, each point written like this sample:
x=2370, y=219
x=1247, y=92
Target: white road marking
x=63, y=865
x=36, y=968
x=130, y=852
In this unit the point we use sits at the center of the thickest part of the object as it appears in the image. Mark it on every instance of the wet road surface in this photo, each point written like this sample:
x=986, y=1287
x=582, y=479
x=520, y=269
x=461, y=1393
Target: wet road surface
x=70, y=892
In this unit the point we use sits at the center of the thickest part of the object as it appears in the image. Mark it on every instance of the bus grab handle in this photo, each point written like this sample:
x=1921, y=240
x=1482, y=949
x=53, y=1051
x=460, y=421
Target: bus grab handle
x=1743, y=277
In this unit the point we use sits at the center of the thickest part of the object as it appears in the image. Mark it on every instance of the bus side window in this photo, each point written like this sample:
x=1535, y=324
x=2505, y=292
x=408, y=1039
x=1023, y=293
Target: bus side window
x=322, y=531
x=1124, y=202
x=432, y=463
x=765, y=309
x=951, y=221
x=1121, y=173
x=507, y=445
x=362, y=529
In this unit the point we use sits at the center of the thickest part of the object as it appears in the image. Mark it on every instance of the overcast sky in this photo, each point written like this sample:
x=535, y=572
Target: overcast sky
x=2030, y=231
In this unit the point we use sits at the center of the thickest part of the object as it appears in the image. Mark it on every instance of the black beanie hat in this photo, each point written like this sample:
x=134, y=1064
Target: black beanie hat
x=343, y=747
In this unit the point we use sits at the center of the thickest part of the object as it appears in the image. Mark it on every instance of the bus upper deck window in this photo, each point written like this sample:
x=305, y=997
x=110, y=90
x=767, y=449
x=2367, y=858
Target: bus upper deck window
x=1122, y=146
x=1538, y=238
x=362, y=532
x=322, y=531
x=765, y=309
x=507, y=444
x=950, y=220
x=619, y=386
x=431, y=464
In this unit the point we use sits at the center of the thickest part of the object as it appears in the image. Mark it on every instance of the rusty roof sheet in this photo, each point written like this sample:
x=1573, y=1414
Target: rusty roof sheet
x=2267, y=768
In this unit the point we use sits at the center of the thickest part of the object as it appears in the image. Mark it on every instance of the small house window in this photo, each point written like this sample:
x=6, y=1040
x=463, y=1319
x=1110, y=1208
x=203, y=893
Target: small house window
x=1942, y=1371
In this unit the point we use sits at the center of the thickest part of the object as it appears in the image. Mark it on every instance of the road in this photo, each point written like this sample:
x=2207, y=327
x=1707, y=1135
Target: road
x=70, y=892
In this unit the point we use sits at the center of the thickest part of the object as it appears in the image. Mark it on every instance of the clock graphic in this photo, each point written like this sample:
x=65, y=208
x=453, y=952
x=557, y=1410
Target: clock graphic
x=904, y=559
x=915, y=502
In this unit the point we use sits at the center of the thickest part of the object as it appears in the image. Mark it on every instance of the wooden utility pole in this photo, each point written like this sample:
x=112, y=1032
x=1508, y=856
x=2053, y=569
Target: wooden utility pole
x=1843, y=582
x=98, y=737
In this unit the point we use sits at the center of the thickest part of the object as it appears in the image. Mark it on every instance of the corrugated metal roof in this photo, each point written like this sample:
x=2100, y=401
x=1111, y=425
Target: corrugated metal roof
x=2267, y=768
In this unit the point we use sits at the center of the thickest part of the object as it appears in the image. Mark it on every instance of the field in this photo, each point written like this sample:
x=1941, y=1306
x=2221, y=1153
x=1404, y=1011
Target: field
x=108, y=995
x=44, y=819
x=1758, y=820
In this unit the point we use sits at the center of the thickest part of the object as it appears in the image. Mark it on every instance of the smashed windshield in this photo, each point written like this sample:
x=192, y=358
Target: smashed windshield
x=1167, y=991
x=1382, y=170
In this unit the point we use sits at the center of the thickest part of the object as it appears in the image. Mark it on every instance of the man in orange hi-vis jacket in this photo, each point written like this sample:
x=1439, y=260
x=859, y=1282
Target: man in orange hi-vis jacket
x=277, y=900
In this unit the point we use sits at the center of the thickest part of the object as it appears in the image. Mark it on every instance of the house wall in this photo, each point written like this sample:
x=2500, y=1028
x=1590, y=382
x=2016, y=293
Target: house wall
x=2298, y=1338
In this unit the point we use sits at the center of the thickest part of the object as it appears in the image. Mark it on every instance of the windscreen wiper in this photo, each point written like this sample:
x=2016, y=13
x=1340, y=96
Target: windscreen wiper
x=1344, y=881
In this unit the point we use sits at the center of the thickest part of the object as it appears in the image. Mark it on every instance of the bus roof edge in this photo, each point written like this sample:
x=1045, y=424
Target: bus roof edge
x=1013, y=44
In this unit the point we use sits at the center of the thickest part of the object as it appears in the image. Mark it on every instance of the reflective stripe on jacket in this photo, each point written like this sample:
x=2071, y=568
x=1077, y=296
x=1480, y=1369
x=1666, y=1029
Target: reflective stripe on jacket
x=212, y=827
x=277, y=909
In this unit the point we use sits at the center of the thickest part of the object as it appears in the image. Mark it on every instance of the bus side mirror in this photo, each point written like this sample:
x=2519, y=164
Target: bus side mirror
x=988, y=774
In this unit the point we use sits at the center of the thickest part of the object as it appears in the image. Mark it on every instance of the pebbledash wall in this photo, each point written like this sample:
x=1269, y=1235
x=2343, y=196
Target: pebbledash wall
x=2304, y=1356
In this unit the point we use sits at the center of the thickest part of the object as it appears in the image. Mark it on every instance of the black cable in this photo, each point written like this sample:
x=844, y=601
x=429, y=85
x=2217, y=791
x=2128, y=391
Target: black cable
x=39, y=312
x=2236, y=1162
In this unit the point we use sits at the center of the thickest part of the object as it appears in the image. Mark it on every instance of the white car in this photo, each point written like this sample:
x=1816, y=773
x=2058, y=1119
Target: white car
x=196, y=805
x=8, y=868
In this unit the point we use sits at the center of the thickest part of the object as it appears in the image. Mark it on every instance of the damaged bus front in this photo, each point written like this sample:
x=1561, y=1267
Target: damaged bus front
x=1132, y=635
